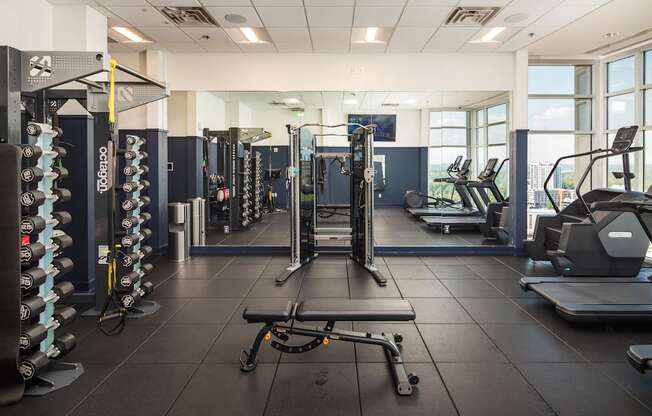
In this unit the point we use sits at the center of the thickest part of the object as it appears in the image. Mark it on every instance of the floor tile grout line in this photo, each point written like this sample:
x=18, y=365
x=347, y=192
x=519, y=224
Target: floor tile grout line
x=571, y=347
x=123, y=362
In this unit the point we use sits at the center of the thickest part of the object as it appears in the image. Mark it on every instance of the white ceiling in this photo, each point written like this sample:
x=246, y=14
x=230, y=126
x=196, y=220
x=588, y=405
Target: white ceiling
x=361, y=101
x=550, y=27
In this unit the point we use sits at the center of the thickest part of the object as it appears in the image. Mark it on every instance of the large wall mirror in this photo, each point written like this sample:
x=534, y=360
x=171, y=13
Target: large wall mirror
x=440, y=162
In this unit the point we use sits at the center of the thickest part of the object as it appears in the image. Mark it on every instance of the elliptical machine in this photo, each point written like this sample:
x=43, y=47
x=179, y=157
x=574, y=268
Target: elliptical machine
x=581, y=242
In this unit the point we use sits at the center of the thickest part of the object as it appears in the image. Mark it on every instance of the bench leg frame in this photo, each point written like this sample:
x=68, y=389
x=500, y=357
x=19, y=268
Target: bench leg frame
x=402, y=379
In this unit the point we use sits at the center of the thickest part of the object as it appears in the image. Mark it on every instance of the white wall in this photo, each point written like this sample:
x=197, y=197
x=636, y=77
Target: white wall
x=26, y=24
x=341, y=72
x=78, y=28
x=274, y=120
x=211, y=112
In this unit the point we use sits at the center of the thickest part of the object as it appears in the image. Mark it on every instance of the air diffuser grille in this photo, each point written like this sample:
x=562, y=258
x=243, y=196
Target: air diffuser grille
x=471, y=16
x=188, y=16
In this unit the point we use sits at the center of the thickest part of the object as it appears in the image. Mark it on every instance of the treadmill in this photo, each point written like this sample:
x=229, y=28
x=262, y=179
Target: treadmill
x=477, y=192
x=466, y=208
x=603, y=298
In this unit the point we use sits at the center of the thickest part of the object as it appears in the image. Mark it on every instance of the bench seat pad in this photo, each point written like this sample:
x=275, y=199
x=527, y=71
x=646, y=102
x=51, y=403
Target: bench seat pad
x=355, y=310
x=269, y=311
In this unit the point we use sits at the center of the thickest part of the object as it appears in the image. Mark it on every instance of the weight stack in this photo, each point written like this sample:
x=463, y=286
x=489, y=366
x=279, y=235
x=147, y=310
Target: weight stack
x=43, y=264
x=132, y=239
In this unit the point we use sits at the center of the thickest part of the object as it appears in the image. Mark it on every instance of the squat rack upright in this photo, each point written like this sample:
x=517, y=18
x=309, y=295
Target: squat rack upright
x=301, y=181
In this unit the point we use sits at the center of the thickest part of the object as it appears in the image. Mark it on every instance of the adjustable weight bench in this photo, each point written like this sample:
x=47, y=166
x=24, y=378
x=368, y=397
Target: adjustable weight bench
x=275, y=318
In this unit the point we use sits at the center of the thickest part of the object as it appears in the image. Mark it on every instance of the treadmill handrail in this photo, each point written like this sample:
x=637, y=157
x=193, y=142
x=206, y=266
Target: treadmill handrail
x=609, y=153
x=554, y=168
x=502, y=197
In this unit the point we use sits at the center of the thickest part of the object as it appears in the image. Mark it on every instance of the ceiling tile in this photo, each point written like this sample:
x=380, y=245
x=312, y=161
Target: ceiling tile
x=312, y=99
x=217, y=41
x=479, y=47
x=424, y=16
x=503, y=36
x=484, y=3
x=209, y=3
x=283, y=16
x=595, y=3
x=528, y=10
x=284, y=3
x=165, y=34
x=248, y=13
x=113, y=19
x=449, y=39
x=182, y=47
x=409, y=39
x=432, y=2
x=523, y=38
x=378, y=3
x=257, y=47
x=380, y=16
x=329, y=3
x=291, y=39
x=564, y=14
x=88, y=2
x=140, y=16
x=122, y=2
x=330, y=39
x=329, y=17
x=178, y=3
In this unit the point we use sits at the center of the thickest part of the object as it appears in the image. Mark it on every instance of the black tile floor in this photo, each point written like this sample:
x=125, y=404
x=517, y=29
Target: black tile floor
x=479, y=344
x=392, y=226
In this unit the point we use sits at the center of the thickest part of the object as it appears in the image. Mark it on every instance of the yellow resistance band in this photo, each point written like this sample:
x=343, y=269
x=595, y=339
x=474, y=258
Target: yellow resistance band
x=112, y=66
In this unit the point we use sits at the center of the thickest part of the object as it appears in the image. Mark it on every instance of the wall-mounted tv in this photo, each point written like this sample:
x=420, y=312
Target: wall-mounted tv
x=385, y=125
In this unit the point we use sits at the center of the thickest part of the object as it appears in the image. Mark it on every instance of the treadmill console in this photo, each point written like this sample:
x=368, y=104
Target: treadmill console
x=488, y=171
x=464, y=170
x=624, y=138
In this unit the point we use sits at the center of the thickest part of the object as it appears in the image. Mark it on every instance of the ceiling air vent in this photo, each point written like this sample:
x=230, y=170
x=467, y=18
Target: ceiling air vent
x=188, y=16
x=471, y=16
x=392, y=105
x=275, y=103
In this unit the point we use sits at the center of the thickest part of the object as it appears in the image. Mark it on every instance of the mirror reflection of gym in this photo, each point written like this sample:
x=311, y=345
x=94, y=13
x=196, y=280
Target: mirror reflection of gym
x=419, y=138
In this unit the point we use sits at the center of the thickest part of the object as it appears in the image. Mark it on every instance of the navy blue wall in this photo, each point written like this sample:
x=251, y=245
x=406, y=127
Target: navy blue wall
x=279, y=161
x=78, y=140
x=185, y=181
x=156, y=146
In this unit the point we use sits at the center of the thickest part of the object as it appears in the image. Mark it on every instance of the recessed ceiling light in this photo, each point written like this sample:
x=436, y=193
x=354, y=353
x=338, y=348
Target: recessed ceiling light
x=350, y=101
x=292, y=101
x=515, y=18
x=611, y=34
x=250, y=34
x=370, y=36
x=129, y=34
x=235, y=18
x=490, y=35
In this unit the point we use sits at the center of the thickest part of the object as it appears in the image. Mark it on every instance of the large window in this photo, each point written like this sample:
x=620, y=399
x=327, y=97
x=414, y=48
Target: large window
x=560, y=123
x=491, y=140
x=448, y=139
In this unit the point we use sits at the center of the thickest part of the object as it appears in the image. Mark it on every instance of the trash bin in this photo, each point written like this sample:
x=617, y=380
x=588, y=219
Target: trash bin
x=179, y=231
x=198, y=221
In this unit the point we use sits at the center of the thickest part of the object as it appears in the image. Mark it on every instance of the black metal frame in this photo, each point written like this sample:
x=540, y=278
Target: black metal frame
x=402, y=379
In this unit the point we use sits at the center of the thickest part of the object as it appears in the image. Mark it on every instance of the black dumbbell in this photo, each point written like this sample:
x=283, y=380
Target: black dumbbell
x=34, y=277
x=31, y=151
x=135, y=140
x=60, y=151
x=132, y=170
x=32, y=336
x=131, y=222
x=35, y=174
x=33, y=129
x=34, y=251
x=36, y=198
x=135, y=155
x=31, y=364
x=130, y=259
x=131, y=239
x=132, y=299
x=129, y=279
x=134, y=203
x=135, y=186
x=33, y=224
x=33, y=305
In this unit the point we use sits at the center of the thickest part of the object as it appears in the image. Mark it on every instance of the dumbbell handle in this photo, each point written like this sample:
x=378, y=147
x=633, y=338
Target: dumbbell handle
x=35, y=304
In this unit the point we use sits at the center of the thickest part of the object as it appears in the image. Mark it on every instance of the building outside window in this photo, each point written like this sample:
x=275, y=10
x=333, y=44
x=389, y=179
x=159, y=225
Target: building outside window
x=560, y=122
x=449, y=136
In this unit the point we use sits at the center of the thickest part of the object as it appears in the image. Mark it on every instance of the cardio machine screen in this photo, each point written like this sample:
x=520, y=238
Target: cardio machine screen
x=385, y=125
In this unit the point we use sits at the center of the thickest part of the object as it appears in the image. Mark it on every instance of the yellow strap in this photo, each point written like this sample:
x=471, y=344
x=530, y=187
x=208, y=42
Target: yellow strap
x=112, y=66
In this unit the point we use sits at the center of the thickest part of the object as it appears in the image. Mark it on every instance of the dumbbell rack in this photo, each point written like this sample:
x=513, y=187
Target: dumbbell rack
x=246, y=190
x=257, y=186
x=37, y=362
x=133, y=236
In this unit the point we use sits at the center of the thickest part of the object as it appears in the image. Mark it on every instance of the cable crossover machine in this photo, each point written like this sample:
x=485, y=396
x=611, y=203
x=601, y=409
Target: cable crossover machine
x=301, y=180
